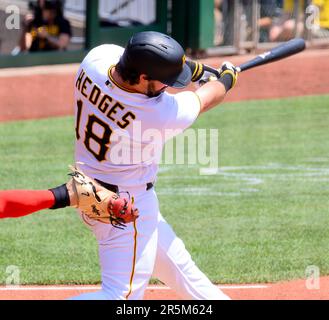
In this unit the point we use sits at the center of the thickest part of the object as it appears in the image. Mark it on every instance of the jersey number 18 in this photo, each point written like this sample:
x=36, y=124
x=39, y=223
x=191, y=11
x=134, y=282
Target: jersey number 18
x=90, y=135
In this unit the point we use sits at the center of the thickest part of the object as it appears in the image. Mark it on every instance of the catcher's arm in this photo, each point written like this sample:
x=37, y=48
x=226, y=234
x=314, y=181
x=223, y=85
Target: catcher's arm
x=19, y=203
x=81, y=192
x=94, y=200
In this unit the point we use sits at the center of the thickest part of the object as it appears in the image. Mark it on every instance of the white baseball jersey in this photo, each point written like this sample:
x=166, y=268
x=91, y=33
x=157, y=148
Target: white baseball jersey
x=120, y=134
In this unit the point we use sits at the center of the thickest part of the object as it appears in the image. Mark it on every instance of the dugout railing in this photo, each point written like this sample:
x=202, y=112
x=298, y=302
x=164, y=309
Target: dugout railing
x=249, y=25
x=188, y=21
x=203, y=27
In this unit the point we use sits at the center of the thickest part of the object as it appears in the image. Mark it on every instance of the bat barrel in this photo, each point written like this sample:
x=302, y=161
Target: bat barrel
x=282, y=51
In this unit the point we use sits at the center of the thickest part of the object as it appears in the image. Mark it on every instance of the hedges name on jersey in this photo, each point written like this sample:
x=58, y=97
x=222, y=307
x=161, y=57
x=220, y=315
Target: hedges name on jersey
x=120, y=135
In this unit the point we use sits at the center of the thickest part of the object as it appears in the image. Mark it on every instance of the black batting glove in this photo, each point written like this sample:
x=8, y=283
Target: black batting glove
x=228, y=75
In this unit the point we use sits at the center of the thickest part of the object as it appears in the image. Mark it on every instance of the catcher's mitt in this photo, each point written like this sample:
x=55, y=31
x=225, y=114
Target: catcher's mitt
x=99, y=203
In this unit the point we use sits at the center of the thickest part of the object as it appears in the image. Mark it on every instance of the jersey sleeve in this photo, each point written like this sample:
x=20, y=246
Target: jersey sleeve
x=185, y=110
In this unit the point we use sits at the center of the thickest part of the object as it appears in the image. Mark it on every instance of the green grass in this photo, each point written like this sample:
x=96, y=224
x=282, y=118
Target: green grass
x=264, y=217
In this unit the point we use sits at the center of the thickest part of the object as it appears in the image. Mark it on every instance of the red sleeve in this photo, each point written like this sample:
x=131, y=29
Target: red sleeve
x=18, y=203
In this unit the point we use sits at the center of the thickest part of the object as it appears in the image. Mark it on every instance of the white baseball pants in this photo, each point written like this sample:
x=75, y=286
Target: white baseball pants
x=129, y=257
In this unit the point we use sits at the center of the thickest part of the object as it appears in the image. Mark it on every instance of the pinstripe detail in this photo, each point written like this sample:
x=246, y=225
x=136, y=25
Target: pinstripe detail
x=134, y=262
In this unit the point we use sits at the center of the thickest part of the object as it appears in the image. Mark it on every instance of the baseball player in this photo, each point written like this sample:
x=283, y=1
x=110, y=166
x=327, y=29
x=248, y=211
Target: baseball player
x=120, y=106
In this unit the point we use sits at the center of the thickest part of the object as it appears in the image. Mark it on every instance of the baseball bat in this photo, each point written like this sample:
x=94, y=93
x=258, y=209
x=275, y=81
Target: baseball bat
x=282, y=51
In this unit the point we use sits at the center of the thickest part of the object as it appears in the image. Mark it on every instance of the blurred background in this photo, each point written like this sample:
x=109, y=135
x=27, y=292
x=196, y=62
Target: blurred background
x=203, y=27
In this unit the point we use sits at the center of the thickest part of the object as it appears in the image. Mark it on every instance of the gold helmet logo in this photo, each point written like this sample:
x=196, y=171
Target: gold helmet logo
x=183, y=59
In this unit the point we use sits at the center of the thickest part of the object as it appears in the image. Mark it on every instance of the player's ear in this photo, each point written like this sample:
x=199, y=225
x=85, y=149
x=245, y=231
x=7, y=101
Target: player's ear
x=144, y=77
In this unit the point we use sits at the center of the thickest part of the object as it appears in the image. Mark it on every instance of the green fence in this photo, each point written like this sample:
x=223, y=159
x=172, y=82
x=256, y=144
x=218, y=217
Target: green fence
x=193, y=23
x=97, y=35
x=190, y=25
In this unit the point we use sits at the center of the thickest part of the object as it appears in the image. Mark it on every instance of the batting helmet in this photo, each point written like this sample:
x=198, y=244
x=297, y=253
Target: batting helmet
x=158, y=56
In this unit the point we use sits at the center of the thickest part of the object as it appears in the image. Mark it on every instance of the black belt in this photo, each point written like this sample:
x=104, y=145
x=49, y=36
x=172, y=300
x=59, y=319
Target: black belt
x=115, y=188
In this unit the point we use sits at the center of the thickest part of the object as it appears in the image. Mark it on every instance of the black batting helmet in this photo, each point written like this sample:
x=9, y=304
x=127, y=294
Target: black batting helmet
x=158, y=56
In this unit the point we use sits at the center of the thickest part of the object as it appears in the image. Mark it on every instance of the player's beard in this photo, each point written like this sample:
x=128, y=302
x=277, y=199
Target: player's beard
x=151, y=92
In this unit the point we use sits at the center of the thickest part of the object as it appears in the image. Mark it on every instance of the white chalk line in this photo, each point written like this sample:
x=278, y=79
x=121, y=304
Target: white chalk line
x=246, y=179
x=244, y=176
x=269, y=167
x=96, y=288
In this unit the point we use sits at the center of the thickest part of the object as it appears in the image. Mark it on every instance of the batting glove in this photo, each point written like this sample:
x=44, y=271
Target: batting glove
x=229, y=69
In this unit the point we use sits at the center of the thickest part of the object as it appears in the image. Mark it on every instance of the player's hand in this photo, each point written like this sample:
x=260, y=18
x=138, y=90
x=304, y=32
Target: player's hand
x=199, y=75
x=228, y=68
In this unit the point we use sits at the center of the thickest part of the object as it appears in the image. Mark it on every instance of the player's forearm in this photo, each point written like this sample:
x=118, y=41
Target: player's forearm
x=213, y=93
x=214, y=85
